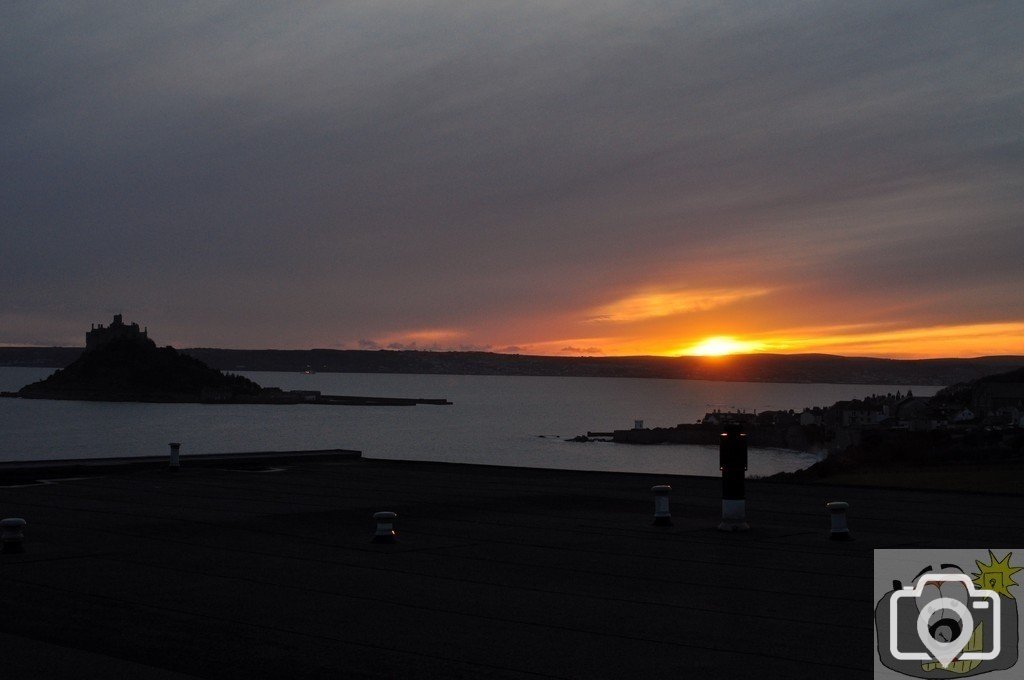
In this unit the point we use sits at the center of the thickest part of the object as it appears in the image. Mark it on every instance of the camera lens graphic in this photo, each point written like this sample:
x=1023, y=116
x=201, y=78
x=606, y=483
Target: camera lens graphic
x=945, y=630
x=945, y=650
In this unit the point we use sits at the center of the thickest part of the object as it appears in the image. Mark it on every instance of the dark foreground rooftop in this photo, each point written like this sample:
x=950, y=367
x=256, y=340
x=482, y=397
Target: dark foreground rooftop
x=236, y=571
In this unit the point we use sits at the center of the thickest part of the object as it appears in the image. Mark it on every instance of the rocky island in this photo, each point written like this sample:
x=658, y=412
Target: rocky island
x=121, y=363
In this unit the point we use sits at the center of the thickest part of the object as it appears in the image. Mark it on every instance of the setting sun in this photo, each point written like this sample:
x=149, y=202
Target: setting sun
x=720, y=346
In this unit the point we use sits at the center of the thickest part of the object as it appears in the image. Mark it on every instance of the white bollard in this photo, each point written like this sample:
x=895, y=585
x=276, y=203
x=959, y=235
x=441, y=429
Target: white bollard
x=662, y=516
x=385, y=527
x=734, y=515
x=175, y=458
x=12, y=535
x=840, y=531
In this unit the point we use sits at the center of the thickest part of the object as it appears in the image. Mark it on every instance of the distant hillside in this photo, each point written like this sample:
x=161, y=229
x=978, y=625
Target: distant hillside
x=39, y=357
x=796, y=368
x=1015, y=376
x=967, y=393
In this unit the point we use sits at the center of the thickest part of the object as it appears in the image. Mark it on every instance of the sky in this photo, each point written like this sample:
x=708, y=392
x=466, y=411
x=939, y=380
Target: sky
x=559, y=177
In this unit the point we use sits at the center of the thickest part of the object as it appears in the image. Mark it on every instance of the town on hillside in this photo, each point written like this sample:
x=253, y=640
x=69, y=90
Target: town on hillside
x=991, y=405
x=990, y=409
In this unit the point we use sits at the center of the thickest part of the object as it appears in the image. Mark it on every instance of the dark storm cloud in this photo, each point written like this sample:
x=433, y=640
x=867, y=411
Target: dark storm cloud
x=317, y=173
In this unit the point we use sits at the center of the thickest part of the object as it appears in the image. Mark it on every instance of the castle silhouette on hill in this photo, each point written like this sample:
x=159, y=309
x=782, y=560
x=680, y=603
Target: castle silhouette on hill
x=101, y=335
x=121, y=363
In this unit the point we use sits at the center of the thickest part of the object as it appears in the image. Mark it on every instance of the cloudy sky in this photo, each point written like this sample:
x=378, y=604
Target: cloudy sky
x=557, y=177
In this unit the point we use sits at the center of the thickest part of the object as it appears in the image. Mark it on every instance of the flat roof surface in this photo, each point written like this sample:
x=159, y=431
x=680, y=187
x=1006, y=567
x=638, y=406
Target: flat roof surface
x=227, y=572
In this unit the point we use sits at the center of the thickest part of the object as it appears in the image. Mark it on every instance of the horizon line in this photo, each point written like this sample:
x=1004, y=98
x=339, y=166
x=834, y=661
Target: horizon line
x=722, y=357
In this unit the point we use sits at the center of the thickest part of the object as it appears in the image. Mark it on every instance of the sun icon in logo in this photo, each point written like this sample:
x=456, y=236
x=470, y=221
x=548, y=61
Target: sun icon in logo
x=998, y=575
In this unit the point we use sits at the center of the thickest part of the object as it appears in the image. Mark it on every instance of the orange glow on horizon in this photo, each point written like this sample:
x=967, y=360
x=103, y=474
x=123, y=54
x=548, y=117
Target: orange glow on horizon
x=722, y=345
x=716, y=320
x=967, y=340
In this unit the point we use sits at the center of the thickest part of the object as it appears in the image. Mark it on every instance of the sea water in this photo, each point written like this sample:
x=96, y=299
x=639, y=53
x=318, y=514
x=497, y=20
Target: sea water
x=494, y=420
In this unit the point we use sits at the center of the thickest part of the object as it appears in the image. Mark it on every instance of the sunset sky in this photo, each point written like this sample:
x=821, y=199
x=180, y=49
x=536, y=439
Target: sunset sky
x=562, y=177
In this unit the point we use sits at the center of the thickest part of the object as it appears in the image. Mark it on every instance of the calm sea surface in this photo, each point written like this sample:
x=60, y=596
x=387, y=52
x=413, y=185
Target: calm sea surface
x=494, y=420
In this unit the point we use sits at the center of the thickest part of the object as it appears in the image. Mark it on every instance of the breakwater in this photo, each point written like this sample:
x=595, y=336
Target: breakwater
x=795, y=437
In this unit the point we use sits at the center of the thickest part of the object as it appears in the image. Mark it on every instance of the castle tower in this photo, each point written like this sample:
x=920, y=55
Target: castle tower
x=100, y=335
